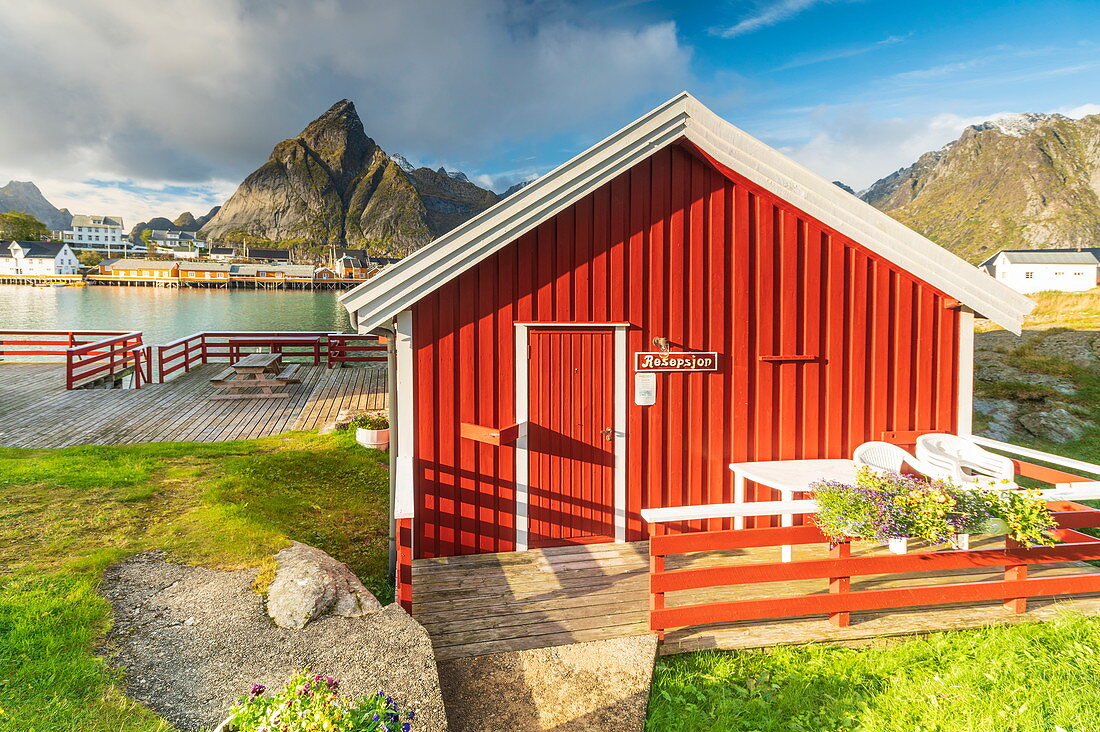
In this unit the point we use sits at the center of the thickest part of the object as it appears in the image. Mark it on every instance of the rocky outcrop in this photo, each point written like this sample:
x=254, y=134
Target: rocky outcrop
x=310, y=584
x=192, y=640
x=1017, y=398
x=1028, y=181
x=334, y=185
x=24, y=196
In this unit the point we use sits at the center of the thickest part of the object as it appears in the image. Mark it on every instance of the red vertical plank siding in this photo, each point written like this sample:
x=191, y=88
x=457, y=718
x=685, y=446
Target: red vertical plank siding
x=681, y=248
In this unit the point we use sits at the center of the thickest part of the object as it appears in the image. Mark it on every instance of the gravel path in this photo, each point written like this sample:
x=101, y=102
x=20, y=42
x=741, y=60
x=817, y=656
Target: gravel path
x=192, y=640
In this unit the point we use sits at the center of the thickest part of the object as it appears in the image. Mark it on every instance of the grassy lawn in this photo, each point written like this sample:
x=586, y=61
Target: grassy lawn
x=1026, y=678
x=1080, y=310
x=67, y=514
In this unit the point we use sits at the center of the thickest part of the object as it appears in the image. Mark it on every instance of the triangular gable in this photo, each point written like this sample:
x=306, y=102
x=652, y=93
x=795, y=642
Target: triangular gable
x=375, y=303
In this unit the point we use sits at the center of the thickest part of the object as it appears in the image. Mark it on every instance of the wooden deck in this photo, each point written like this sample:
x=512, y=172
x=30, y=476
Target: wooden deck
x=492, y=603
x=37, y=411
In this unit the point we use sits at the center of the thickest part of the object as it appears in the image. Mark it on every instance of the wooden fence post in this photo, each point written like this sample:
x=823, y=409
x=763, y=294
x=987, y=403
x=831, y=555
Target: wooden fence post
x=403, y=572
x=1015, y=573
x=840, y=550
x=656, y=566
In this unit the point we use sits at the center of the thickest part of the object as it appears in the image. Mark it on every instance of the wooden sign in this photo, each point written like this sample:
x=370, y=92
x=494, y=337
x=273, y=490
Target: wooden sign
x=687, y=361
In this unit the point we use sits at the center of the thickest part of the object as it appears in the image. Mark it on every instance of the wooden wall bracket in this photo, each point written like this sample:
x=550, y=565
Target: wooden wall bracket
x=489, y=435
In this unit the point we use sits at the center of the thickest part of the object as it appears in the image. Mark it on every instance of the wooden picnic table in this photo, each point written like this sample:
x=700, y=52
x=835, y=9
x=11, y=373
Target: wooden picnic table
x=275, y=344
x=258, y=370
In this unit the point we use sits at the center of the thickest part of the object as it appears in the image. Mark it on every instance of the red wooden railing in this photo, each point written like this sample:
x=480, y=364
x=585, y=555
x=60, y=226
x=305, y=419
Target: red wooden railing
x=333, y=349
x=837, y=570
x=106, y=358
x=48, y=342
x=352, y=348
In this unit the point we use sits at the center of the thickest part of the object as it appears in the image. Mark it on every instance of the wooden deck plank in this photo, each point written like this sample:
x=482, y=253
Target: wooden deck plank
x=491, y=603
x=37, y=411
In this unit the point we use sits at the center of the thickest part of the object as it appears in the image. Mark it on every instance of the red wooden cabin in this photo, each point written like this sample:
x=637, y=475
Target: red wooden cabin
x=783, y=318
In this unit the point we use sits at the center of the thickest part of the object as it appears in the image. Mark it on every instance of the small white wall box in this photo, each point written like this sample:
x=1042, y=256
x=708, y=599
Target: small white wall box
x=645, y=389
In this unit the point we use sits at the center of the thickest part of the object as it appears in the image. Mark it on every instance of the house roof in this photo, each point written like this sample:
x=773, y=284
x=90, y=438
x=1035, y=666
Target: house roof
x=1050, y=257
x=280, y=254
x=221, y=250
x=396, y=288
x=34, y=249
x=163, y=235
x=143, y=264
x=203, y=267
x=87, y=220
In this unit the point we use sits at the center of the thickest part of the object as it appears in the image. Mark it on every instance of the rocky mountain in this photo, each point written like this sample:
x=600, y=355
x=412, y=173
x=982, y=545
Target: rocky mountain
x=334, y=185
x=1028, y=180
x=24, y=196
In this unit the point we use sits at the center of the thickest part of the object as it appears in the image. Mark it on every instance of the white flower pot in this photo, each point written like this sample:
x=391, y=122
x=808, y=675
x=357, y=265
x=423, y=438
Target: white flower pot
x=376, y=439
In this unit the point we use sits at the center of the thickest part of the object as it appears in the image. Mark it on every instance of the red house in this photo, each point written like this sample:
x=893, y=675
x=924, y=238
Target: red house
x=676, y=298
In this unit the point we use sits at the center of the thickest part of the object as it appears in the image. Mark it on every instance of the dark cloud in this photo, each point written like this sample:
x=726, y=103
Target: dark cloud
x=193, y=90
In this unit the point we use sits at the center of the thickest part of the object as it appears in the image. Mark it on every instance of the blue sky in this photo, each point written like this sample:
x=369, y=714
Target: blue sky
x=506, y=90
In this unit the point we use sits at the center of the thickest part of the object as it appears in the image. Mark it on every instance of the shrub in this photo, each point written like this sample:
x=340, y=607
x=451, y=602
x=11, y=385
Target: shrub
x=370, y=422
x=311, y=701
x=883, y=506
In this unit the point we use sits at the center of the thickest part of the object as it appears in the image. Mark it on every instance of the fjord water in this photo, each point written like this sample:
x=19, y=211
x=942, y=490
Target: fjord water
x=164, y=314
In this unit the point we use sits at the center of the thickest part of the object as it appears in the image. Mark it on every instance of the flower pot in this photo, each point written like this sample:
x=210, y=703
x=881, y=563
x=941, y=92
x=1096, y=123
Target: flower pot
x=376, y=439
x=995, y=526
x=225, y=726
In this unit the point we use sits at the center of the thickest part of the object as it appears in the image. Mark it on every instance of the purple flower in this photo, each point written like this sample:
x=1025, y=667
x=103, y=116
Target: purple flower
x=257, y=689
x=406, y=727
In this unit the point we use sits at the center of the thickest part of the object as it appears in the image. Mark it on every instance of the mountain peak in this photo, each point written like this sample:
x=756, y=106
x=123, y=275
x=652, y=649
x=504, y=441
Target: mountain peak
x=333, y=184
x=1004, y=184
x=1018, y=125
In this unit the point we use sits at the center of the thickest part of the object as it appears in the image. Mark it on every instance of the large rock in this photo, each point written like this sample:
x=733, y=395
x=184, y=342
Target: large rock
x=192, y=640
x=309, y=583
x=596, y=686
x=1002, y=417
x=1055, y=425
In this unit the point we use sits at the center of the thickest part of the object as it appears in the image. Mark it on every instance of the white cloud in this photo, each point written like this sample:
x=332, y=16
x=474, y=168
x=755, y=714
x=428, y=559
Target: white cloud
x=193, y=91
x=766, y=15
x=849, y=52
x=1083, y=110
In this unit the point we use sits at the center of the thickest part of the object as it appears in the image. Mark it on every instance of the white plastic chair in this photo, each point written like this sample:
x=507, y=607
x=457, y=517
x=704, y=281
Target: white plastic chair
x=885, y=456
x=957, y=459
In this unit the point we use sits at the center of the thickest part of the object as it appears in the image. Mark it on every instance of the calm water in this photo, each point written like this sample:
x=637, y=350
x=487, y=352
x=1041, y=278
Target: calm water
x=164, y=314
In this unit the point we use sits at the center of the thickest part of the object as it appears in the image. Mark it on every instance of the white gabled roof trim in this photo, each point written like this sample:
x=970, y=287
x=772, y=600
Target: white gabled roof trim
x=396, y=288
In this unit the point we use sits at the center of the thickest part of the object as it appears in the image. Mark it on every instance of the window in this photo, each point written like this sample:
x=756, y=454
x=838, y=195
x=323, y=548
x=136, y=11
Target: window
x=1059, y=274
x=1029, y=275
x=1079, y=274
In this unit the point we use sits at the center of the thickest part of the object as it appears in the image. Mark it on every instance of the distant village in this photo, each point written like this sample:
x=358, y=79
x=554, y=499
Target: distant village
x=171, y=258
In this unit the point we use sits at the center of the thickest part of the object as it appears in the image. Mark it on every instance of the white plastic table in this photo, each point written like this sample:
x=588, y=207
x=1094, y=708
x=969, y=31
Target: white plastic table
x=788, y=477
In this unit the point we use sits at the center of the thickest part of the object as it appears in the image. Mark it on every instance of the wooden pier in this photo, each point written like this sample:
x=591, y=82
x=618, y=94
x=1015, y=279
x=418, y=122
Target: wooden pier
x=36, y=410
x=483, y=604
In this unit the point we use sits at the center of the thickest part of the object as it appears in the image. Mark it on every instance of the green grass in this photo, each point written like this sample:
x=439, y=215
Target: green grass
x=1024, y=678
x=67, y=514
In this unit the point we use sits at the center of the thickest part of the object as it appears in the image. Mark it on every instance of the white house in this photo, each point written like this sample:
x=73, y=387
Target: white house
x=170, y=241
x=1067, y=270
x=98, y=233
x=28, y=258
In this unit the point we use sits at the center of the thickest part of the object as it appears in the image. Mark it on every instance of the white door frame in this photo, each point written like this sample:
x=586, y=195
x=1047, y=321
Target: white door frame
x=523, y=458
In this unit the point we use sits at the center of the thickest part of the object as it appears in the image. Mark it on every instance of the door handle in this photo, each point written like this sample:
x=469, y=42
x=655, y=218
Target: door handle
x=608, y=433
